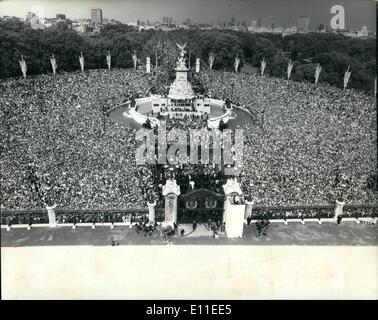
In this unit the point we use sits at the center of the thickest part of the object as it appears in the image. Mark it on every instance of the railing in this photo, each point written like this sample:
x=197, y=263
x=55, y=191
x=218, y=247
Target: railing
x=24, y=217
x=14, y=217
x=316, y=212
x=35, y=217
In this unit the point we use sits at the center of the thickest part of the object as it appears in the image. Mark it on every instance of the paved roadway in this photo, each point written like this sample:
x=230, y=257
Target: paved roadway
x=347, y=233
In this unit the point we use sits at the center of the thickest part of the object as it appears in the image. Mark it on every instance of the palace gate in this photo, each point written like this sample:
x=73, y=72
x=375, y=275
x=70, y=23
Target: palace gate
x=200, y=205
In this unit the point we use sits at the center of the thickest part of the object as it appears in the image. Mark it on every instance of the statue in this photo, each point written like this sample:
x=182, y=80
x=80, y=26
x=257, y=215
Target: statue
x=182, y=49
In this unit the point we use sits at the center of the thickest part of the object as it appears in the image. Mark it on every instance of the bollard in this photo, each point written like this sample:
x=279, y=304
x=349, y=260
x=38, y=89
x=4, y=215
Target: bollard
x=51, y=214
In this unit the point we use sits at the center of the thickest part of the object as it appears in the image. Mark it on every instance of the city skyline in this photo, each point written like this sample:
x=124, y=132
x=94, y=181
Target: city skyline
x=357, y=13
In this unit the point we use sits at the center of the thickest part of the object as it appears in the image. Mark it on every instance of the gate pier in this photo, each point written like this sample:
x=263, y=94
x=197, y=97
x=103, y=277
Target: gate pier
x=234, y=209
x=170, y=192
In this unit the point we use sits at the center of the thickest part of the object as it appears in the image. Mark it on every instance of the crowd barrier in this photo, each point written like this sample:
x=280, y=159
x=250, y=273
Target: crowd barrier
x=366, y=213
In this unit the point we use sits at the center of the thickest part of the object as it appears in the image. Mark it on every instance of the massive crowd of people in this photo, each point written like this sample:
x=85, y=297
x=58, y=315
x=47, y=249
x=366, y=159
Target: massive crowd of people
x=305, y=146
x=59, y=144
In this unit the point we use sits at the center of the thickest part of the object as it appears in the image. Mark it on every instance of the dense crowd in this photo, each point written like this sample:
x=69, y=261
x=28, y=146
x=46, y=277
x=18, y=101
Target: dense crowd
x=59, y=146
x=306, y=145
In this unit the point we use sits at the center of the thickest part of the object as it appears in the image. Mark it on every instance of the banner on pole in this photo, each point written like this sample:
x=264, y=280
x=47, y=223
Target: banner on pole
x=81, y=59
x=23, y=66
x=108, y=60
x=289, y=69
x=197, y=65
x=263, y=65
x=53, y=64
x=148, y=65
x=135, y=60
x=317, y=73
x=347, y=77
x=236, y=63
x=211, y=61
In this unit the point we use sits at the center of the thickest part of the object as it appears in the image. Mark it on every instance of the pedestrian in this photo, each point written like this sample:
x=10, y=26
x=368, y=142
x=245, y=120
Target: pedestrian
x=249, y=218
x=194, y=225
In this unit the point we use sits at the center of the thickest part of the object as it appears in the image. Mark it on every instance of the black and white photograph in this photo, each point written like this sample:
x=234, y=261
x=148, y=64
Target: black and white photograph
x=212, y=149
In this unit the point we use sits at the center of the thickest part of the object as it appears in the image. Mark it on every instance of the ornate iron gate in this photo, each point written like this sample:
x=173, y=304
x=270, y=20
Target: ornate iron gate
x=200, y=205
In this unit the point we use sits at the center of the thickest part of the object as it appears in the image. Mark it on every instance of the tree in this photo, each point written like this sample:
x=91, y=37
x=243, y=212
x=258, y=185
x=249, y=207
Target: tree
x=334, y=52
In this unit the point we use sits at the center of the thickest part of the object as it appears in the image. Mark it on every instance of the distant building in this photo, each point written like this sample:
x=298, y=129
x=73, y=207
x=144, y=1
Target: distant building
x=96, y=16
x=266, y=29
x=146, y=27
x=9, y=18
x=188, y=21
x=33, y=20
x=167, y=20
x=61, y=16
x=290, y=30
x=110, y=21
x=303, y=23
x=364, y=32
x=85, y=26
x=259, y=22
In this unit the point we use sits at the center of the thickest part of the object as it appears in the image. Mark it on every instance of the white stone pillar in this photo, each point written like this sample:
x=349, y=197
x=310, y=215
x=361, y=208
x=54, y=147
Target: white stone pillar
x=151, y=212
x=339, y=209
x=51, y=214
x=234, y=211
x=197, y=65
x=248, y=208
x=171, y=191
x=148, y=65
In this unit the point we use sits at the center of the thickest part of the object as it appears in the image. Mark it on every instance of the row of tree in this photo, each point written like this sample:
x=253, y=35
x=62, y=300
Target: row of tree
x=333, y=52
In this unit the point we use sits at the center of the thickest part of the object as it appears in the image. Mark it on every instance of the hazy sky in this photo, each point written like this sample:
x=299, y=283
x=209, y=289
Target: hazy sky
x=358, y=13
